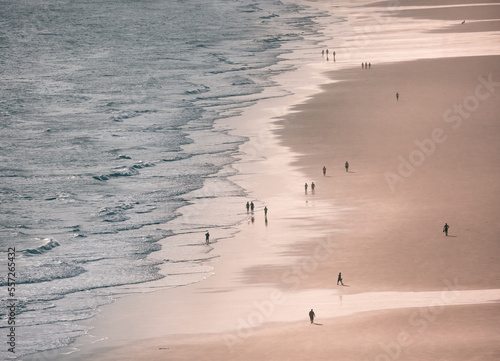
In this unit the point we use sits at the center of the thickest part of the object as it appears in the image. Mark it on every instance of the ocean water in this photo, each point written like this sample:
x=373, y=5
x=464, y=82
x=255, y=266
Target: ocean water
x=111, y=169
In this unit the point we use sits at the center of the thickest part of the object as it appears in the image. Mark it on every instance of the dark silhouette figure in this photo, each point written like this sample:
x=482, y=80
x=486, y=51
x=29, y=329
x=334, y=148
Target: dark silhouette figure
x=305, y=187
x=369, y=65
x=397, y=97
x=207, y=237
x=445, y=229
x=311, y=315
x=366, y=65
x=334, y=55
x=362, y=65
x=346, y=166
x=312, y=187
x=265, y=212
x=463, y=22
x=324, y=170
x=251, y=206
x=248, y=207
x=339, y=279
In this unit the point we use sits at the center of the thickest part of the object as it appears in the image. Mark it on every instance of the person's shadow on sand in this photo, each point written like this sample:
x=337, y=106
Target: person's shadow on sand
x=317, y=324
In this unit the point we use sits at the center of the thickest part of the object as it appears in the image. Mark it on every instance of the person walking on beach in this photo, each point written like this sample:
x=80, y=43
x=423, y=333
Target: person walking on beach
x=334, y=56
x=251, y=206
x=207, y=237
x=324, y=171
x=362, y=65
x=346, y=166
x=311, y=315
x=397, y=97
x=248, y=207
x=445, y=229
x=305, y=187
x=312, y=187
x=265, y=212
x=339, y=279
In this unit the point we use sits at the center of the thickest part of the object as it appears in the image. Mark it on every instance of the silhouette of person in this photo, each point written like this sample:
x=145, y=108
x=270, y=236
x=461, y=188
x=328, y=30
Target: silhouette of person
x=248, y=207
x=362, y=65
x=366, y=65
x=369, y=65
x=305, y=187
x=445, y=229
x=265, y=211
x=334, y=56
x=346, y=166
x=397, y=97
x=251, y=206
x=312, y=187
x=324, y=170
x=207, y=237
x=311, y=315
x=339, y=279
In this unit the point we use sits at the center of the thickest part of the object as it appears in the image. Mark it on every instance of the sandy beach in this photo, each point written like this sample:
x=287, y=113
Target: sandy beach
x=417, y=161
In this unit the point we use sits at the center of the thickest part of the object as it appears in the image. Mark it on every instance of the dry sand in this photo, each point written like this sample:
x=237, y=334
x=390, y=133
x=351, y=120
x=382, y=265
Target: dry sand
x=458, y=333
x=415, y=164
x=431, y=157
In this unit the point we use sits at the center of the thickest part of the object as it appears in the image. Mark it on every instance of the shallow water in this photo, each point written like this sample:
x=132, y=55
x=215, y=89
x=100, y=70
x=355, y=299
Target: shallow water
x=108, y=148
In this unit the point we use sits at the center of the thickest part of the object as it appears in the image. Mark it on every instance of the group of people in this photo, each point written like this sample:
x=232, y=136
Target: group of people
x=327, y=52
x=313, y=187
x=250, y=206
x=366, y=65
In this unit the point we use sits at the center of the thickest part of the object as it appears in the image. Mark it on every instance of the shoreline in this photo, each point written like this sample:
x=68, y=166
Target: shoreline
x=266, y=245
x=255, y=279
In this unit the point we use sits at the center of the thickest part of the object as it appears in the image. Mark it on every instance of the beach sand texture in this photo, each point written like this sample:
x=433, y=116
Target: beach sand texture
x=410, y=293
